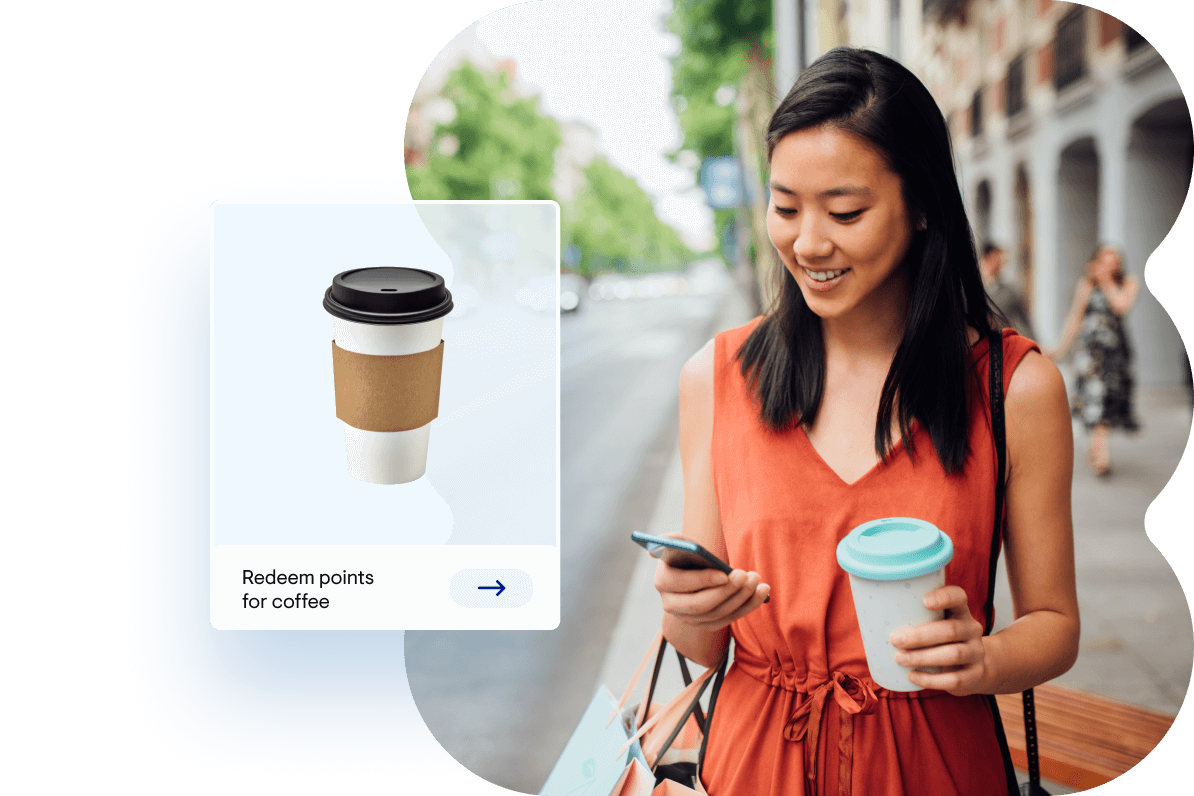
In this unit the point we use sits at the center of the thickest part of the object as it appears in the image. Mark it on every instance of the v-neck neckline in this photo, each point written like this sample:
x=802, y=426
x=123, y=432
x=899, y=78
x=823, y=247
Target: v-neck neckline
x=898, y=448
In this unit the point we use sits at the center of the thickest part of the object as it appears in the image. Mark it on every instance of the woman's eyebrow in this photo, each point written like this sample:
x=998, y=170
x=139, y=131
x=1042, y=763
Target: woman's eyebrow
x=841, y=190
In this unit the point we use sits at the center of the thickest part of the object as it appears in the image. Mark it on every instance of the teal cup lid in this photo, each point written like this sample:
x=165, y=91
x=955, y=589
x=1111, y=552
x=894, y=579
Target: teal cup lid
x=894, y=548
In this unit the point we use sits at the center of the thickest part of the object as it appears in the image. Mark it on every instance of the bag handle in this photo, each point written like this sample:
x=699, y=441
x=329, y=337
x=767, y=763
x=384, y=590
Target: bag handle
x=677, y=710
x=657, y=643
x=999, y=432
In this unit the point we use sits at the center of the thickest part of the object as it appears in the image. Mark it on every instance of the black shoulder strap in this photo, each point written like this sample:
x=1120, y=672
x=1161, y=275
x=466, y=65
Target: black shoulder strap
x=999, y=432
x=995, y=394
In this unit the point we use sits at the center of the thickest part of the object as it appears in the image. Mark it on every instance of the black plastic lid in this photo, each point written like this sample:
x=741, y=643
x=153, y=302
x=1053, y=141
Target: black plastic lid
x=387, y=296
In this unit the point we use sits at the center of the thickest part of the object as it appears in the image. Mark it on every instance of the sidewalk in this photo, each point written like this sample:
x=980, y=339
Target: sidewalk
x=1136, y=645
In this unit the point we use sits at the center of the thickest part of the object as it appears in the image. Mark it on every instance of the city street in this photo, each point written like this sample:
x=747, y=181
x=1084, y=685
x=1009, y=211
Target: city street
x=503, y=703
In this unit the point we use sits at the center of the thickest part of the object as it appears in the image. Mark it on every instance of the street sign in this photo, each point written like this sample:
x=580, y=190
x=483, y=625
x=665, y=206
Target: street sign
x=729, y=243
x=571, y=255
x=721, y=177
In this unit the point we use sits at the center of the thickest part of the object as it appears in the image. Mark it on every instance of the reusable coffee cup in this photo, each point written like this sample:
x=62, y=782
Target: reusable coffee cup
x=387, y=357
x=893, y=563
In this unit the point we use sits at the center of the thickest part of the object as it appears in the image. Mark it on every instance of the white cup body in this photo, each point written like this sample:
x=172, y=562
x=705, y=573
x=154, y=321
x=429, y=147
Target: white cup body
x=387, y=457
x=885, y=605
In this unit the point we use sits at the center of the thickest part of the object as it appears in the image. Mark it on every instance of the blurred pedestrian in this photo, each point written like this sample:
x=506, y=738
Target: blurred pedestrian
x=1006, y=297
x=1103, y=397
x=863, y=394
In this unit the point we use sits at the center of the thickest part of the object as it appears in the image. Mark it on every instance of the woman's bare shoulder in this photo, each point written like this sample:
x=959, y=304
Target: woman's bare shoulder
x=1036, y=385
x=1038, y=413
x=696, y=377
x=696, y=401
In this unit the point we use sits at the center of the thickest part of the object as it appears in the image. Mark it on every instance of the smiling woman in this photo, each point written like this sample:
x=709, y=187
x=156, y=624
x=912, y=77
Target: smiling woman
x=861, y=395
x=840, y=225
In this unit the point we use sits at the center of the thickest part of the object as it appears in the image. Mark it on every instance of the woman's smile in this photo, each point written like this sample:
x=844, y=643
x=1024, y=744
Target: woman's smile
x=824, y=279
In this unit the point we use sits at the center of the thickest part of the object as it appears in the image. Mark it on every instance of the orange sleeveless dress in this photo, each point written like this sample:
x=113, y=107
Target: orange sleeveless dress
x=798, y=712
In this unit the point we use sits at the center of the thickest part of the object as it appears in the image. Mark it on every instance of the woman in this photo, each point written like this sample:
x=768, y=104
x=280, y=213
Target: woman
x=1103, y=400
x=793, y=430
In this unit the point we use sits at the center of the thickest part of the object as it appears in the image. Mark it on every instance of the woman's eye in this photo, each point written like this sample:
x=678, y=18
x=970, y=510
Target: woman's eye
x=786, y=212
x=847, y=216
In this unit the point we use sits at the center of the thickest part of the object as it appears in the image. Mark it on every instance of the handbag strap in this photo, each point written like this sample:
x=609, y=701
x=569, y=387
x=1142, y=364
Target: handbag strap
x=688, y=699
x=999, y=432
x=721, y=673
x=700, y=714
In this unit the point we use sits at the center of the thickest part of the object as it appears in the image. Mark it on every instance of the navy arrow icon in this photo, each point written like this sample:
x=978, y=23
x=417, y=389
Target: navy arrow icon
x=499, y=588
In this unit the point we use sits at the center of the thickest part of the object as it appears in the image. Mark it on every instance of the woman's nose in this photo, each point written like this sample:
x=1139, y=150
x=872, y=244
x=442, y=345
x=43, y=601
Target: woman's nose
x=811, y=241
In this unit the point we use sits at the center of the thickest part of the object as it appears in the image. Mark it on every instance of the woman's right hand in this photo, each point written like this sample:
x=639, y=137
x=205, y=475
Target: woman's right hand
x=707, y=598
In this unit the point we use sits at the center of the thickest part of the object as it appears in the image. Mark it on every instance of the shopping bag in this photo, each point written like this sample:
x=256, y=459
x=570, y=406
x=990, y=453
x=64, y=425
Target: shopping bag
x=618, y=750
x=597, y=754
x=669, y=788
x=637, y=780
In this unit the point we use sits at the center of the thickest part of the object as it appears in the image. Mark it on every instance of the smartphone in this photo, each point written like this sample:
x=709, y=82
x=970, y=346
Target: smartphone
x=680, y=553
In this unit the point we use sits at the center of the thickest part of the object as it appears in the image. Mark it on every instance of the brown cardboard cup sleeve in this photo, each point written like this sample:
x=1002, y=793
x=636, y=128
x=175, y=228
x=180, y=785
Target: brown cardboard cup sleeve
x=380, y=393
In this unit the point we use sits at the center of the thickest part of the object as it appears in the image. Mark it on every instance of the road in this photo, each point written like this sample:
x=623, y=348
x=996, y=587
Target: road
x=503, y=703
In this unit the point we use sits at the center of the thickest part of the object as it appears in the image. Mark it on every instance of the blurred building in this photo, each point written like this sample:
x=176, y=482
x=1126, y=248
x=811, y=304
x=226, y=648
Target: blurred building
x=1069, y=130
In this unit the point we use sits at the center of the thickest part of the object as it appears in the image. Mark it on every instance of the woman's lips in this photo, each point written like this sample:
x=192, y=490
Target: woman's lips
x=825, y=279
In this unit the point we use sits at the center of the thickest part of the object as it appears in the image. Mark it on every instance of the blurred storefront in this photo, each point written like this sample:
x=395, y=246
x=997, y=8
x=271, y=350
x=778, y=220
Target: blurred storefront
x=1069, y=130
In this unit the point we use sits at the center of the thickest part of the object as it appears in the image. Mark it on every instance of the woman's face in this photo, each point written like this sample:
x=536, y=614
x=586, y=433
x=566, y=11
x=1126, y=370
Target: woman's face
x=1105, y=265
x=1111, y=263
x=839, y=222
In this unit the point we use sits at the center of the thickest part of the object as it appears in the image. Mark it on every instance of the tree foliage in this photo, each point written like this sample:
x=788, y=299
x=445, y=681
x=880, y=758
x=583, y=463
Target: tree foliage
x=613, y=223
x=497, y=146
x=714, y=37
x=725, y=48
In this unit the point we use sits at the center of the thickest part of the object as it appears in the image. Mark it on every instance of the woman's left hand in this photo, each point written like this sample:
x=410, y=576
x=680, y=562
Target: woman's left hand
x=955, y=644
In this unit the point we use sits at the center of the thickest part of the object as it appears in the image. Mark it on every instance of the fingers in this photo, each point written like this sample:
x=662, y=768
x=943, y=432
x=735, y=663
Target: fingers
x=686, y=581
x=959, y=682
x=709, y=599
x=726, y=613
x=952, y=645
x=944, y=656
x=958, y=624
x=946, y=598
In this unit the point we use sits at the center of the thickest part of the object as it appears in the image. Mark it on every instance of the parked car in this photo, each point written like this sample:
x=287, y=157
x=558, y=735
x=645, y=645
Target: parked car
x=572, y=287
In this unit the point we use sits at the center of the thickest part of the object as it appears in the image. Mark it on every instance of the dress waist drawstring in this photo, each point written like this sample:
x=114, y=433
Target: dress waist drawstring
x=852, y=696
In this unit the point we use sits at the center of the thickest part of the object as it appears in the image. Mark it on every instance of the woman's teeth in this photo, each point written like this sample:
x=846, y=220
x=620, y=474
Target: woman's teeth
x=825, y=276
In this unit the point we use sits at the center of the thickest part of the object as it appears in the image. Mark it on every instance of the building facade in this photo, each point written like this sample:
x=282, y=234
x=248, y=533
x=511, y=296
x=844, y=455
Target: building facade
x=1069, y=130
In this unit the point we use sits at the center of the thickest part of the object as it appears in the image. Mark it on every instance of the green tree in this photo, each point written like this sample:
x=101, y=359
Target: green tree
x=497, y=146
x=500, y=147
x=613, y=223
x=724, y=94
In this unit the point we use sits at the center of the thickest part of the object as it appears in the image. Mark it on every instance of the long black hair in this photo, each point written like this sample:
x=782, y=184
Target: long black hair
x=931, y=379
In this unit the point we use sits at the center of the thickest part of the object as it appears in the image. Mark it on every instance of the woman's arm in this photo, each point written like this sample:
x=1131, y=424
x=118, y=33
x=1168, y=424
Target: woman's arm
x=1042, y=642
x=1073, y=321
x=699, y=605
x=1121, y=297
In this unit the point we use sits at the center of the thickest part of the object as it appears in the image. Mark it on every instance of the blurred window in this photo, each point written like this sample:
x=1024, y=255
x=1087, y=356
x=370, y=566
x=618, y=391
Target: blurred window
x=1015, y=85
x=1071, y=48
x=1133, y=40
x=976, y=114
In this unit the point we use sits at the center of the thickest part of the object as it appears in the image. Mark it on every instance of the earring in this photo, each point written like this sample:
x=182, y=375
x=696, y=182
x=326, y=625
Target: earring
x=922, y=224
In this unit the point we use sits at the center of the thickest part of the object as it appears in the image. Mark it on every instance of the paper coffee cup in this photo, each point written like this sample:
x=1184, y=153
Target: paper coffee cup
x=893, y=563
x=388, y=315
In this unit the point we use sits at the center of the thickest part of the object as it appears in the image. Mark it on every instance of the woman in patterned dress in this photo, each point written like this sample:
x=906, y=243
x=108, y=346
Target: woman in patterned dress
x=1103, y=399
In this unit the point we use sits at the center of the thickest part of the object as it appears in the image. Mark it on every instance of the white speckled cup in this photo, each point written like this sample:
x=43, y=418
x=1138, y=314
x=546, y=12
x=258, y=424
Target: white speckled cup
x=893, y=563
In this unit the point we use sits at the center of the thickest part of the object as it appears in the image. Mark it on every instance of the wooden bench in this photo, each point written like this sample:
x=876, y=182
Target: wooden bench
x=1085, y=739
